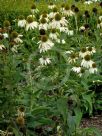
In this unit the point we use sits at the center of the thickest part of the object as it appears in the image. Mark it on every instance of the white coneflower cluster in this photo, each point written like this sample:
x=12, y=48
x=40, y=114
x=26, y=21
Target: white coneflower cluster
x=84, y=58
x=87, y=51
x=29, y=24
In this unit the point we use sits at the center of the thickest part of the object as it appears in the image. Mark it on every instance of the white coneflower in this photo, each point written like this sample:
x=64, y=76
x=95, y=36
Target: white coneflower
x=91, y=50
x=21, y=22
x=76, y=69
x=62, y=7
x=52, y=14
x=45, y=16
x=64, y=29
x=56, y=22
x=82, y=71
x=45, y=44
x=2, y=47
x=93, y=69
x=5, y=35
x=43, y=24
x=72, y=58
x=34, y=9
x=18, y=40
x=63, y=41
x=51, y=6
x=63, y=22
x=16, y=37
x=45, y=61
x=88, y=2
x=31, y=24
x=69, y=52
x=70, y=32
x=86, y=62
x=82, y=28
x=67, y=11
x=83, y=53
x=54, y=35
x=100, y=18
x=99, y=25
x=15, y=48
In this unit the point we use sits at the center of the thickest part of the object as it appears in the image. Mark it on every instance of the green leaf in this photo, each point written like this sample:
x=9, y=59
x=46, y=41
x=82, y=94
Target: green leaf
x=63, y=108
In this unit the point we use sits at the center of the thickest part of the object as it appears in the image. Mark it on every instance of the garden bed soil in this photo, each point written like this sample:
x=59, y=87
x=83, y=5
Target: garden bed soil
x=92, y=122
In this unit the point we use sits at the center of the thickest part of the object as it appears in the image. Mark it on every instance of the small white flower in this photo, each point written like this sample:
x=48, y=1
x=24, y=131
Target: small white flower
x=82, y=28
x=68, y=52
x=5, y=35
x=93, y=68
x=55, y=24
x=63, y=21
x=100, y=18
x=99, y=25
x=34, y=11
x=63, y=29
x=70, y=32
x=18, y=40
x=82, y=71
x=2, y=47
x=68, y=13
x=45, y=61
x=43, y=26
x=86, y=62
x=45, y=16
x=15, y=48
x=76, y=69
x=22, y=23
x=72, y=58
x=91, y=50
x=54, y=35
x=45, y=44
x=58, y=22
x=51, y=6
x=63, y=41
x=88, y=2
x=51, y=15
x=31, y=26
x=83, y=53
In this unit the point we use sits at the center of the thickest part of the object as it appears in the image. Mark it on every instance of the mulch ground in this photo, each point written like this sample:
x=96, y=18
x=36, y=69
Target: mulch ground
x=92, y=122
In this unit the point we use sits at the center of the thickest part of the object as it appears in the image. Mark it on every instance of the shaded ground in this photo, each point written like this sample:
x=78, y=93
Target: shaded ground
x=92, y=122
